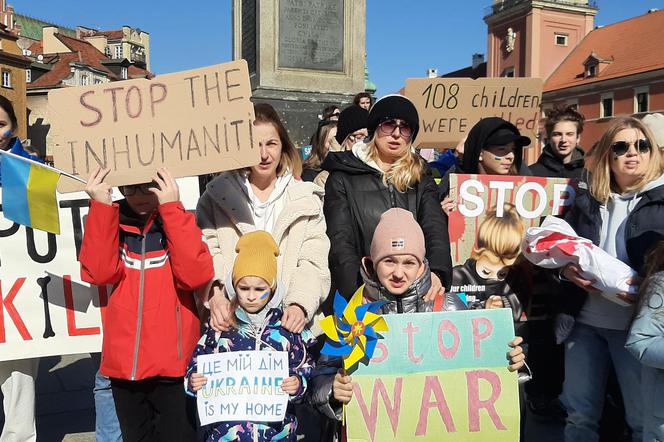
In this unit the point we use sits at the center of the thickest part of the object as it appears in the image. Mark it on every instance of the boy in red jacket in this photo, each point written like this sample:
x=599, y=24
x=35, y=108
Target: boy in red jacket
x=150, y=249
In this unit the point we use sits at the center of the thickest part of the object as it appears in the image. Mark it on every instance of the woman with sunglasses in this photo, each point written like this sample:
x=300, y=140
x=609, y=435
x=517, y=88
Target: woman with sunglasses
x=622, y=212
x=374, y=177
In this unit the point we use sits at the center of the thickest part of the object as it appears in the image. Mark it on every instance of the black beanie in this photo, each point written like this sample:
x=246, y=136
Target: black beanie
x=393, y=106
x=351, y=119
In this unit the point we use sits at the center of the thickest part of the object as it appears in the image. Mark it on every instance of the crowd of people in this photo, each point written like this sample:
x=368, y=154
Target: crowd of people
x=258, y=264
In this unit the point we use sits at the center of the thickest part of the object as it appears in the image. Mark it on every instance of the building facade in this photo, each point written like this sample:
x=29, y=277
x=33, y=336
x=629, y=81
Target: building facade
x=605, y=71
x=616, y=70
x=14, y=71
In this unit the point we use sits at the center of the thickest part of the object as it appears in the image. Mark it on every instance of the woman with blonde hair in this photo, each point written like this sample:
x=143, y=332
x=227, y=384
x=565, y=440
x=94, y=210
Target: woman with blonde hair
x=621, y=212
x=374, y=177
x=269, y=197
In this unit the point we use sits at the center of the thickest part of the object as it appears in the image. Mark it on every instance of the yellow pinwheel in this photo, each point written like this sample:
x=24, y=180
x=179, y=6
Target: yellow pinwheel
x=352, y=330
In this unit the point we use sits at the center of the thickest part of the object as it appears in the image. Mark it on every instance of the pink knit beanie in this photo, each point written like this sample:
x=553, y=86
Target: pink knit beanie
x=397, y=233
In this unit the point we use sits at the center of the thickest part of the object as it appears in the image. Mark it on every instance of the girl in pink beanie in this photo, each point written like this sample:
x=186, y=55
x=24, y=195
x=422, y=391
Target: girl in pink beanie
x=396, y=272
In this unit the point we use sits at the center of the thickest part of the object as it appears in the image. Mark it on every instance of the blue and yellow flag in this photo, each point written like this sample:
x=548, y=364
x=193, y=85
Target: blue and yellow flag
x=28, y=193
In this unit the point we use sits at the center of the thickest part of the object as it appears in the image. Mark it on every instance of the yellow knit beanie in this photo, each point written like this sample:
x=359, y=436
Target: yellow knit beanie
x=257, y=256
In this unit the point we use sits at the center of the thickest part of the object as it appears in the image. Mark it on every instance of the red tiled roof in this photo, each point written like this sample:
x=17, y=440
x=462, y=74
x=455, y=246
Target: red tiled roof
x=634, y=46
x=89, y=54
x=111, y=35
x=136, y=72
x=82, y=52
x=60, y=71
x=36, y=48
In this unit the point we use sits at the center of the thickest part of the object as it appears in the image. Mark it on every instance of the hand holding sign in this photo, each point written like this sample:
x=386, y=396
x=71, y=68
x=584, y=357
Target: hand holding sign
x=167, y=189
x=97, y=189
x=291, y=385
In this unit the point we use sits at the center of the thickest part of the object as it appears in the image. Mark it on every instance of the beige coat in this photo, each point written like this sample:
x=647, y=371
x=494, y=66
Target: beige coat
x=223, y=213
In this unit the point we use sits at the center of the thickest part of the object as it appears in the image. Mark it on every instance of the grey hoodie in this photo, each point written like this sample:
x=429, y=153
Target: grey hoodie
x=599, y=311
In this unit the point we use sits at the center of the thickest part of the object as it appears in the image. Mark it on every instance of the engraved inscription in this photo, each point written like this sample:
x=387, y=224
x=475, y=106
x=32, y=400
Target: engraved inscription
x=311, y=34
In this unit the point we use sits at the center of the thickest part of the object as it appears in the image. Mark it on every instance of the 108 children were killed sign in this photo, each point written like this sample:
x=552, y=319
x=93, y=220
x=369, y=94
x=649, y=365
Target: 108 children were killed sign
x=243, y=386
x=192, y=122
x=438, y=376
x=449, y=107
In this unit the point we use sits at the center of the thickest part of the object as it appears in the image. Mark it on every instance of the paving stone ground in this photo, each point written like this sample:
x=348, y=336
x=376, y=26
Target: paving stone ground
x=65, y=405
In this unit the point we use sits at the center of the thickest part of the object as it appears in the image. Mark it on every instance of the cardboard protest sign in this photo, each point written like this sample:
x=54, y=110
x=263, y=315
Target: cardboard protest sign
x=45, y=308
x=438, y=376
x=243, y=386
x=449, y=107
x=193, y=122
x=488, y=225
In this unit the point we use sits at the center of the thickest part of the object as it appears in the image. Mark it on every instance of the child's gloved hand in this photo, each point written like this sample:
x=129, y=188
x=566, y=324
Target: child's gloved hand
x=167, y=188
x=294, y=319
x=97, y=189
x=516, y=356
x=196, y=381
x=342, y=387
x=291, y=385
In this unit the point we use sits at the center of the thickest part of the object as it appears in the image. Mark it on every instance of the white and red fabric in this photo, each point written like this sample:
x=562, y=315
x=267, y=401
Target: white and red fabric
x=555, y=244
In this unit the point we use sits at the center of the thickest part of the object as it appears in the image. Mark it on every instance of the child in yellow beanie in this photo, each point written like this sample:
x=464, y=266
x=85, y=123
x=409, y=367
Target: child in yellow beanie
x=256, y=299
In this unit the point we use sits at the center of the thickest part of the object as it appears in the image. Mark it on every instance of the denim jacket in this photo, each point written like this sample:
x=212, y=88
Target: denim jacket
x=646, y=343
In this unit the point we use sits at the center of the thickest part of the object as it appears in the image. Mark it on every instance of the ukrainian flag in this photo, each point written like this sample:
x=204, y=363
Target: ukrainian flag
x=28, y=193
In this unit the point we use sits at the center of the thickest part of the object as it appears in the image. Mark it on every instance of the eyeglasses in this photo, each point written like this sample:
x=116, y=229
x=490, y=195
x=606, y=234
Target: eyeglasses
x=335, y=114
x=387, y=128
x=356, y=137
x=620, y=148
x=144, y=188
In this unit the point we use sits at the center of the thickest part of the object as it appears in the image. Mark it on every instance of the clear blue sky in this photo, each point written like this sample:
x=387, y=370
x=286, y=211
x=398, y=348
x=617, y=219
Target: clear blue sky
x=404, y=38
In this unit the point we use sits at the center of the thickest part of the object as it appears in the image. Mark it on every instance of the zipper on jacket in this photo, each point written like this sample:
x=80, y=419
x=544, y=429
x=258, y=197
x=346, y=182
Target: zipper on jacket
x=399, y=305
x=393, y=198
x=179, y=329
x=139, y=314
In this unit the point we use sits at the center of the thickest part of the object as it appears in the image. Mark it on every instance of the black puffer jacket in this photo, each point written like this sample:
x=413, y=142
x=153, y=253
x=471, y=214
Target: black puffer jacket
x=549, y=165
x=644, y=228
x=355, y=198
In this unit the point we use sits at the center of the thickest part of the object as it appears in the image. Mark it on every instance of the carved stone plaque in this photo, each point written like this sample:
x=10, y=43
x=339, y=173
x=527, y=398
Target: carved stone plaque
x=311, y=34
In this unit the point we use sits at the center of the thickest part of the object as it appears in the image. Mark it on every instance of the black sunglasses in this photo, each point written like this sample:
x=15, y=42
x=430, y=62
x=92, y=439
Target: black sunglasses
x=620, y=148
x=144, y=188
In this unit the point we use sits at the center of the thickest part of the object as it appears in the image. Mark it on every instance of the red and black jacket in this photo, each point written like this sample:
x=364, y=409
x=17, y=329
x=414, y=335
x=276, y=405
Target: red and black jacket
x=151, y=324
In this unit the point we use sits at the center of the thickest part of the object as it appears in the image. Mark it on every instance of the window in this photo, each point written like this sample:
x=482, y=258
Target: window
x=98, y=81
x=6, y=78
x=641, y=99
x=118, y=51
x=85, y=80
x=28, y=76
x=508, y=72
x=123, y=73
x=561, y=39
x=606, y=108
x=592, y=70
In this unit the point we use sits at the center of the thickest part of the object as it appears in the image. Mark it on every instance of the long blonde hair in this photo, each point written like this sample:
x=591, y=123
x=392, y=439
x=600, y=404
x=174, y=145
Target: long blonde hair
x=405, y=173
x=602, y=182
